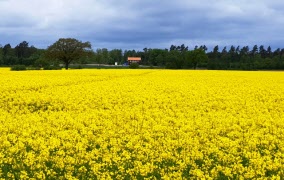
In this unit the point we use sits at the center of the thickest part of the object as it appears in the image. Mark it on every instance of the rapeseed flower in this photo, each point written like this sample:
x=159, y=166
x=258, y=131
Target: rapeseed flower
x=151, y=124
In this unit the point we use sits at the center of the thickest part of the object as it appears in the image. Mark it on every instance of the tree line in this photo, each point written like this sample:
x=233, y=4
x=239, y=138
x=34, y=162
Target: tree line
x=176, y=57
x=22, y=54
x=246, y=58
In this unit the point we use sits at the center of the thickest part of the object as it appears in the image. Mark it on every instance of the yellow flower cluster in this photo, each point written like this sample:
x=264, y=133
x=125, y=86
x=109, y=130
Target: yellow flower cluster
x=141, y=124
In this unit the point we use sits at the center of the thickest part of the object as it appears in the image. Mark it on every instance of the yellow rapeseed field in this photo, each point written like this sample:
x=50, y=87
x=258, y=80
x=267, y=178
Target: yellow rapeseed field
x=141, y=124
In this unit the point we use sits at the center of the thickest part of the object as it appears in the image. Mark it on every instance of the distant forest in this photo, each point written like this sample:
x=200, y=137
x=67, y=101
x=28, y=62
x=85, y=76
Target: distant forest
x=176, y=57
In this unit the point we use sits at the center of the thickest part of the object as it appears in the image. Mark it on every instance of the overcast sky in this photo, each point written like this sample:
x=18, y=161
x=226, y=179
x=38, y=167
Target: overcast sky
x=136, y=24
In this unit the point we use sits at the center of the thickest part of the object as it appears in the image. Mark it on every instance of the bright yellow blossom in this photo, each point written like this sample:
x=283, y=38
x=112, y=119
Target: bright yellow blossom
x=135, y=124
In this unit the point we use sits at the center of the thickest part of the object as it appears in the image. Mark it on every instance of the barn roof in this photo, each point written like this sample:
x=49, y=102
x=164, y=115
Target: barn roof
x=134, y=58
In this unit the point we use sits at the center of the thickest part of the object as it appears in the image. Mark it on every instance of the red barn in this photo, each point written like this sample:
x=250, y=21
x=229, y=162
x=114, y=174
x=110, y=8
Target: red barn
x=133, y=60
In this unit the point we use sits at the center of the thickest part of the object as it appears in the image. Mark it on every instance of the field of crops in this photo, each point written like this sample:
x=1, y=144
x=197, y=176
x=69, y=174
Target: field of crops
x=141, y=124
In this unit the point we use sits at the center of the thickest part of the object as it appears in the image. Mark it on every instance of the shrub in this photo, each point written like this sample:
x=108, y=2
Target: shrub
x=134, y=66
x=33, y=68
x=18, y=68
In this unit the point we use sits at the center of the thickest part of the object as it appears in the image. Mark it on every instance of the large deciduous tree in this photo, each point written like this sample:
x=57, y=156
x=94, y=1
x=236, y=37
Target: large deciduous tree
x=67, y=50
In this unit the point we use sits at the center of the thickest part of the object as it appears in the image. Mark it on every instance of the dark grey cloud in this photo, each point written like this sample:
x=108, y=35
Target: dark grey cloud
x=137, y=24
